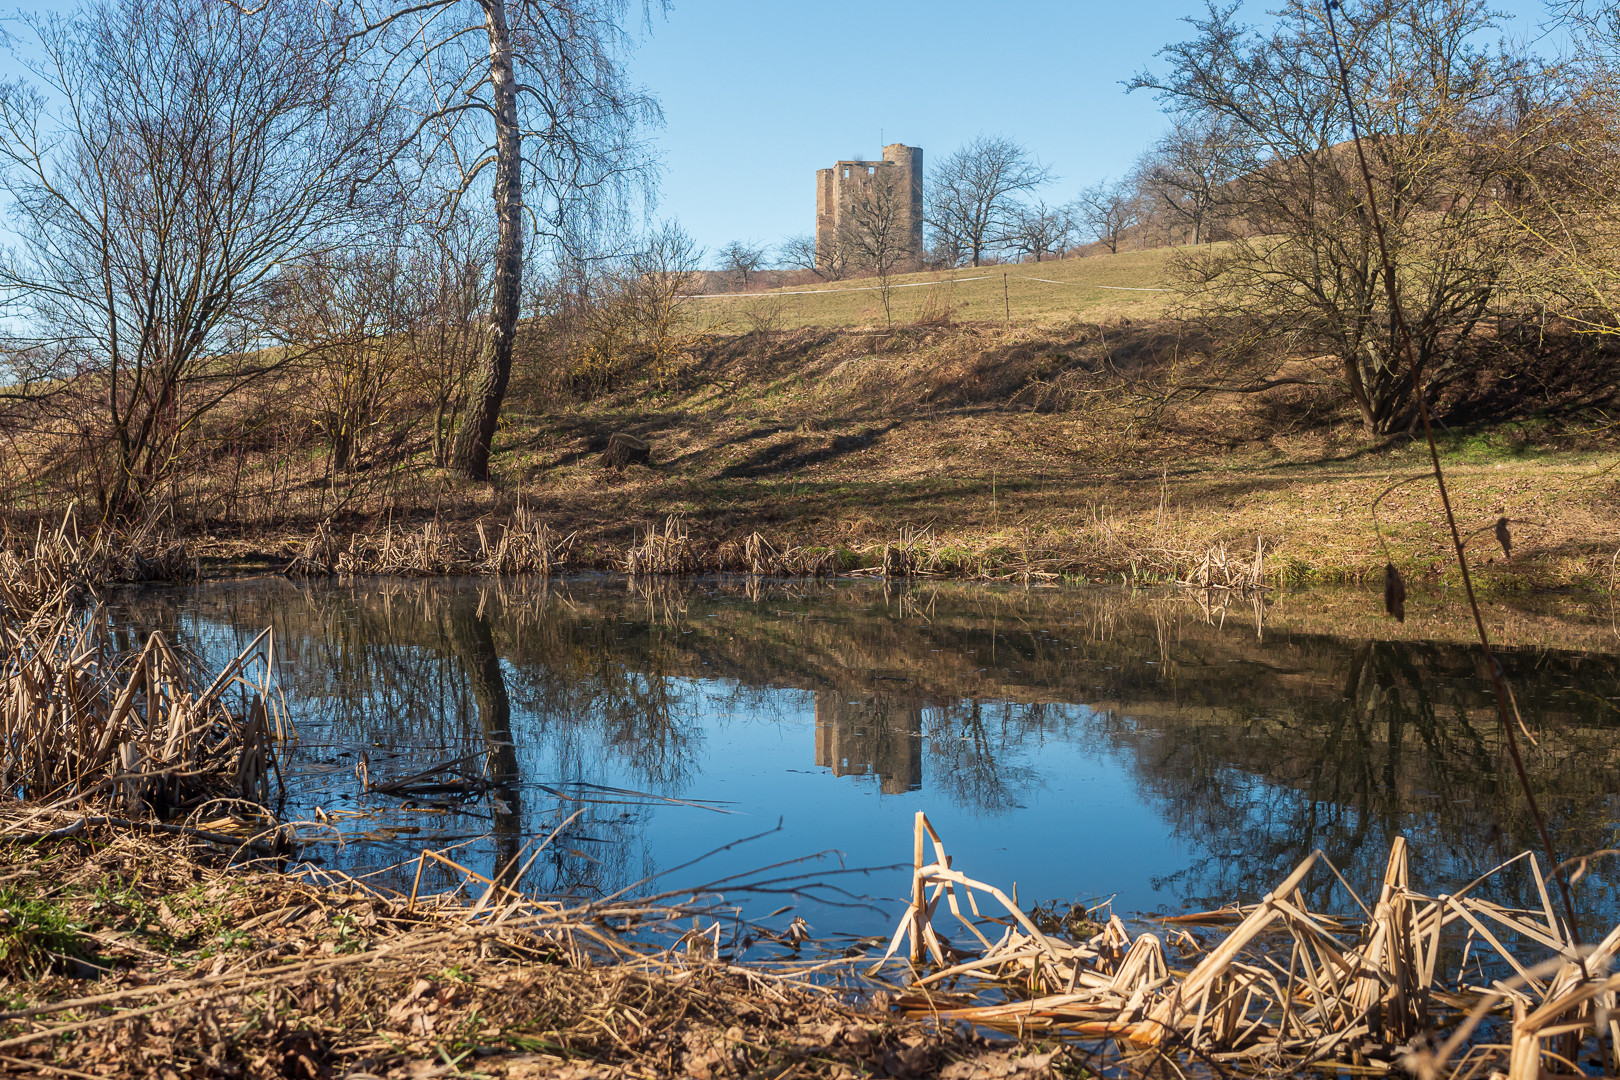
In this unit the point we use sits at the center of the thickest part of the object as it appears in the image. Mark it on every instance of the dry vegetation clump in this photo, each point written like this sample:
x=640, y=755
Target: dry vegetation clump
x=143, y=958
x=34, y=568
x=79, y=719
x=84, y=722
x=521, y=545
x=1406, y=981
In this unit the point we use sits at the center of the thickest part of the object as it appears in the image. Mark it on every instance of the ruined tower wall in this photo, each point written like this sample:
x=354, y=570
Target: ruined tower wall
x=826, y=208
x=909, y=160
x=838, y=186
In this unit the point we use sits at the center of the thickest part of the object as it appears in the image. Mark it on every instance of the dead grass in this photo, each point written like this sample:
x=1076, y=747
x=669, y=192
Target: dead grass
x=1095, y=288
x=185, y=968
x=963, y=450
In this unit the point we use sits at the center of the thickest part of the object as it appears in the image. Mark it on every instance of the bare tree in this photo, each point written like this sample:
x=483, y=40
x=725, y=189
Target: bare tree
x=1107, y=209
x=944, y=251
x=876, y=232
x=1039, y=230
x=535, y=90
x=1447, y=126
x=629, y=316
x=798, y=253
x=1186, y=172
x=971, y=192
x=450, y=277
x=1567, y=206
x=830, y=261
x=347, y=311
x=742, y=259
x=167, y=158
x=657, y=278
x=835, y=259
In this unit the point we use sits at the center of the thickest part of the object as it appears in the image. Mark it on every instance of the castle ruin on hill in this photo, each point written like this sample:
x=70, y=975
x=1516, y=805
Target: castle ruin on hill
x=839, y=186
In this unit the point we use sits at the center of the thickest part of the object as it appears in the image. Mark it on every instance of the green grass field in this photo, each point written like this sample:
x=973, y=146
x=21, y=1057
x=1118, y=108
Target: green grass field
x=1092, y=289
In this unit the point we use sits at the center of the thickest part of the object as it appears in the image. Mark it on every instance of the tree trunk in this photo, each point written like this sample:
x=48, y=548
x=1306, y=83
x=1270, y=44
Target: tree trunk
x=1358, y=391
x=478, y=427
x=473, y=643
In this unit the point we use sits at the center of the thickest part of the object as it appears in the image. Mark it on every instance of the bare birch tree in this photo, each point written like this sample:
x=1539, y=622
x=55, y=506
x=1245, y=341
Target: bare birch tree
x=533, y=93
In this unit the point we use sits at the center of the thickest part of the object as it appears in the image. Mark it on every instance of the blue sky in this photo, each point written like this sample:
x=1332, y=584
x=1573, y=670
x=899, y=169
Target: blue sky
x=758, y=94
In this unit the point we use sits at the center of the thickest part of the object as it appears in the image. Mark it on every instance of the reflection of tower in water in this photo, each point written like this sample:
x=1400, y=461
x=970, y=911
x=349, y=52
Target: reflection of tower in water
x=879, y=737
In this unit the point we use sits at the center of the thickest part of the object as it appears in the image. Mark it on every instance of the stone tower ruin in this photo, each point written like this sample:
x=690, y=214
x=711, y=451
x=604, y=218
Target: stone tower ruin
x=838, y=186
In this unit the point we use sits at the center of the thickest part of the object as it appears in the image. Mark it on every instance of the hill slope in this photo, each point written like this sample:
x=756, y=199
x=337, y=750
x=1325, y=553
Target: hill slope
x=1097, y=288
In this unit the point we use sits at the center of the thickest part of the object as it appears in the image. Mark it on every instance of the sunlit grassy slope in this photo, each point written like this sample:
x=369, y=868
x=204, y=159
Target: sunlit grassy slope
x=1093, y=289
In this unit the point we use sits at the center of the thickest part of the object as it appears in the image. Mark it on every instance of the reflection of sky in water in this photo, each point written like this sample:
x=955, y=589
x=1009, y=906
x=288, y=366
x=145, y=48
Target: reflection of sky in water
x=1078, y=744
x=1082, y=828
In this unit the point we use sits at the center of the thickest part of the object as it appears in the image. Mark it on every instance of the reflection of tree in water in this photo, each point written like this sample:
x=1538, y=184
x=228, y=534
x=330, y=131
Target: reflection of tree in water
x=1409, y=747
x=975, y=756
x=467, y=630
x=1255, y=744
x=583, y=697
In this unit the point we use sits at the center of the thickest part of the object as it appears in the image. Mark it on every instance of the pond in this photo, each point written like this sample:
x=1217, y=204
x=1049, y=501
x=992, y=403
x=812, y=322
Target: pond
x=1165, y=750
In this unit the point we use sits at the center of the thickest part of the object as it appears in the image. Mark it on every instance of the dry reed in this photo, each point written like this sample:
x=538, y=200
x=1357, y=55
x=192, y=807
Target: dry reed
x=521, y=545
x=80, y=719
x=1363, y=993
x=33, y=568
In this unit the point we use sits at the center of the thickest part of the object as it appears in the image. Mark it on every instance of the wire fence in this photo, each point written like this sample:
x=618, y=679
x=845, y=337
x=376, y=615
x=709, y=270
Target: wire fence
x=916, y=285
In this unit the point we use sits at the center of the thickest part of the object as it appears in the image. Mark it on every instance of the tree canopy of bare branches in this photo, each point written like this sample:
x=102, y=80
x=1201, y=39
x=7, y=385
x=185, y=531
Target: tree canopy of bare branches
x=742, y=258
x=162, y=160
x=1446, y=122
x=1038, y=230
x=972, y=192
x=1107, y=209
x=1187, y=172
x=1567, y=206
x=532, y=98
x=876, y=232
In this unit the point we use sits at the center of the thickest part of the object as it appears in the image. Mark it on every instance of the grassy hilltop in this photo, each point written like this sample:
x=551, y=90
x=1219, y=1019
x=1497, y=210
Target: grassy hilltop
x=1093, y=289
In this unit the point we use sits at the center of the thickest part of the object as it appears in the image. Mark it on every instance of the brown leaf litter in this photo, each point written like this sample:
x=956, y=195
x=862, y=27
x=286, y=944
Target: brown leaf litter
x=181, y=966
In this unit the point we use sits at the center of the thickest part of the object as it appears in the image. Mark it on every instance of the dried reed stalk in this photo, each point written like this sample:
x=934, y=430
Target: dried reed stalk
x=1360, y=991
x=523, y=544
x=79, y=718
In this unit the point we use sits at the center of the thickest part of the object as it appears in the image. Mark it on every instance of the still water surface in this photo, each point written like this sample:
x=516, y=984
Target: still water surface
x=1082, y=744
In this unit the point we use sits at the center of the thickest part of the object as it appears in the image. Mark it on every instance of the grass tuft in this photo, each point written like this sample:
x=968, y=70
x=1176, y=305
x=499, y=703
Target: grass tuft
x=37, y=936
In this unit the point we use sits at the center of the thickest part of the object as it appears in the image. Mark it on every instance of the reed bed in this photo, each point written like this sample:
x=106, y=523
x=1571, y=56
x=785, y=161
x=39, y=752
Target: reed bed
x=78, y=719
x=34, y=568
x=1218, y=567
x=523, y=544
x=81, y=719
x=669, y=550
x=675, y=547
x=1285, y=987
